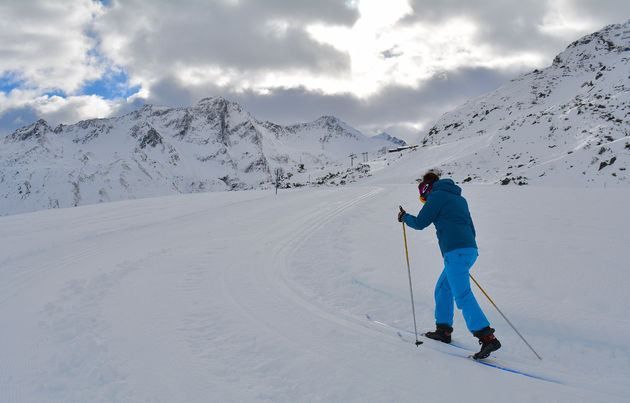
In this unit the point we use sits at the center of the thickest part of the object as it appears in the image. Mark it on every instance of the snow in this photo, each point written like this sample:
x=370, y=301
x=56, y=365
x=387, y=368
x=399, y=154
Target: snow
x=249, y=296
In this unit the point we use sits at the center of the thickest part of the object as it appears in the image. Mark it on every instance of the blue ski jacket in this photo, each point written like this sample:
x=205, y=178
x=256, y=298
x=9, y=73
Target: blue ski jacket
x=448, y=211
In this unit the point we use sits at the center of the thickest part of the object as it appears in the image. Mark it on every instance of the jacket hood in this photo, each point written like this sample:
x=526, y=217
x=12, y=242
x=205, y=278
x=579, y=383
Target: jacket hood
x=447, y=185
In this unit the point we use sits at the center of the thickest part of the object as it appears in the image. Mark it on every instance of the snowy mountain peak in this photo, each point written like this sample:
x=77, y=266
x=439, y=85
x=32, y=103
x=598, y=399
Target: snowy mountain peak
x=611, y=39
x=394, y=140
x=35, y=131
x=328, y=120
x=335, y=126
x=220, y=103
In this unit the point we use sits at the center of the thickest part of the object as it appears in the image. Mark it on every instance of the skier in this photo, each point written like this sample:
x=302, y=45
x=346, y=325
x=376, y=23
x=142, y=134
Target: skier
x=445, y=207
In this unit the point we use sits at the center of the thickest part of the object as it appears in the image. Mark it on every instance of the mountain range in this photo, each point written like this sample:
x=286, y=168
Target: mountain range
x=564, y=125
x=213, y=146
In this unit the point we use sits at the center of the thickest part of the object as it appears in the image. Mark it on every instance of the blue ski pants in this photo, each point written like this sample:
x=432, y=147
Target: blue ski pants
x=454, y=285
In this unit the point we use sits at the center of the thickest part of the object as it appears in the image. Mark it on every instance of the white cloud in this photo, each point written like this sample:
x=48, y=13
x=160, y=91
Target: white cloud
x=72, y=107
x=46, y=44
x=562, y=21
x=56, y=109
x=412, y=53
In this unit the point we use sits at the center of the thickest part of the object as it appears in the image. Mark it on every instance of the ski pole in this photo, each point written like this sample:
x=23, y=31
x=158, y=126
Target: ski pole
x=504, y=317
x=413, y=309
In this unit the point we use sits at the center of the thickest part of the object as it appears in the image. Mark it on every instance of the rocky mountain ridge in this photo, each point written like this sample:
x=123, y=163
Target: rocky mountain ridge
x=211, y=146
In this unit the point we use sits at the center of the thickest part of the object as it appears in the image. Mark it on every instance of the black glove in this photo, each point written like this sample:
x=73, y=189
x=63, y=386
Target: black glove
x=401, y=214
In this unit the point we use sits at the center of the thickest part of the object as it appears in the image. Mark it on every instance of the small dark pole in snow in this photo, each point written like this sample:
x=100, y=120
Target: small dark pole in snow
x=277, y=179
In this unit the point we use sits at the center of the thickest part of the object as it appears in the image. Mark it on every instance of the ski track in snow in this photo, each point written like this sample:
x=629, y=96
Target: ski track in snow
x=236, y=297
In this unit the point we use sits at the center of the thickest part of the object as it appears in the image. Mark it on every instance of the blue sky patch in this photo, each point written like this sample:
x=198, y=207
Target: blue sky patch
x=114, y=84
x=10, y=81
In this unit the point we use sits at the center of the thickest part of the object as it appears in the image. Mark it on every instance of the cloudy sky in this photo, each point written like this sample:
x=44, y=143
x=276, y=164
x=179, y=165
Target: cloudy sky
x=379, y=65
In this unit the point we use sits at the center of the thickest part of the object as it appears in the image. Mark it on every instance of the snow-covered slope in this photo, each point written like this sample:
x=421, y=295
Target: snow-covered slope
x=214, y=145
x=252, y=297
x=564, y=125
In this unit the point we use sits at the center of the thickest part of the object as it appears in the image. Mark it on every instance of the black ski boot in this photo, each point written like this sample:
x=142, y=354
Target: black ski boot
x=488, y=342
x=442, y=333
